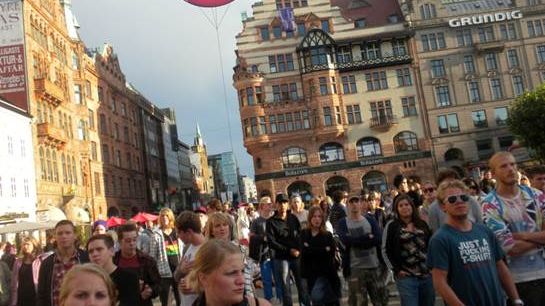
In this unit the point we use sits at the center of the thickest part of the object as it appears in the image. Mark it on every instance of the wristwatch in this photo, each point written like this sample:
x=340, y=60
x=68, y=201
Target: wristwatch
x=518, y=302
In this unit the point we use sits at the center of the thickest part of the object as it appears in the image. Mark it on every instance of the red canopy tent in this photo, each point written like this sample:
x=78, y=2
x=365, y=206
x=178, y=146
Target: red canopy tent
x=143, y=217
x=115, y=221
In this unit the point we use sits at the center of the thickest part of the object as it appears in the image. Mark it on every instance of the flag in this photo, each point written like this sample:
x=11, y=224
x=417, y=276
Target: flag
x=287, y=18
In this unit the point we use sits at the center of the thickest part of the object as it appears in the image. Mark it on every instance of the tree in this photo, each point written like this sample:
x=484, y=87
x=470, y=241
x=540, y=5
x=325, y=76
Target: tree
x=527, y=120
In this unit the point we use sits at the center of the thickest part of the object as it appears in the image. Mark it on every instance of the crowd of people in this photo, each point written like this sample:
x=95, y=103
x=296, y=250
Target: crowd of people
x=470, y=242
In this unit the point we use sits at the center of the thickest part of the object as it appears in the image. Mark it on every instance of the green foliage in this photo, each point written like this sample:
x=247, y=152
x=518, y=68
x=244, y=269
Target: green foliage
x=527, y=120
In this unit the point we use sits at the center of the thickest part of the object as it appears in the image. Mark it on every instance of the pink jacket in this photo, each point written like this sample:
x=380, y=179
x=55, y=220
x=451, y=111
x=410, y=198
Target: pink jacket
x=15, y=275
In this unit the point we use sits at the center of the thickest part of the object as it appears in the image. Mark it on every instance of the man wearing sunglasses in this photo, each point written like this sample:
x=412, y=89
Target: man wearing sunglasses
x=515, y=213
x=466, y=260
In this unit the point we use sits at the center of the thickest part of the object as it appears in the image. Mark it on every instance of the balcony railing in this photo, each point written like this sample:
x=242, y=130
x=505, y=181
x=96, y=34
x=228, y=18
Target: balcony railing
x=387, y=59
x=48, y=91
x=493, y=45
x=383, y=122
x=51, y=134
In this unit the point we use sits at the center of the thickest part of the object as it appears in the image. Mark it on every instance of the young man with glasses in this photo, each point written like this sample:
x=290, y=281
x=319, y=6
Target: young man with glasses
x=515, y=213
x=467, y=262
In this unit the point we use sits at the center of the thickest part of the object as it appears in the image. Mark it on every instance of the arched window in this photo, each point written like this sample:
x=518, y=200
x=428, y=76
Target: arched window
x=331, y=152
x=48, y=163
x=405, y=141
x=374, y=181
x=454, y=154
x=427, y=11
x=55, y=167
x=294, y=157
x=42, y=164
x=336, y=183
x=74, y=170
x=63, y=162
x=368, y=146
x=302, y=188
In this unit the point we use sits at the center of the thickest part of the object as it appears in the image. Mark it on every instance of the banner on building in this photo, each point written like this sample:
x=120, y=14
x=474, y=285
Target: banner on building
x=13, y=87
x=287, y=18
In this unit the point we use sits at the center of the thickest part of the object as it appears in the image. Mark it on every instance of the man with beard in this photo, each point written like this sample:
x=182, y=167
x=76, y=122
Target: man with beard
x=515, y=213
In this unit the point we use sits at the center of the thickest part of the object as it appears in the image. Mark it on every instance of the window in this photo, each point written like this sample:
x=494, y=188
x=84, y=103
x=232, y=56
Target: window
x=491, y=61
x=381, y=110
x=13, y=188
x=501, y=116
x=10, y=145
x=535, y=28
x=26, y=188
x=541, y=54
x=94, y=153
x=289, y=122
x=349, y=84
x=495, y=88
x=505, y=142
x=254, y=127
x=105, y=154
x=23, y=147
x=469, y=64
x=376, y=80
x=484, y=148
x=301, y=30
x=368, y=146
x=518, y=85
x=323, y=86
x=404, y=77
x=277, y=32
x=353, y=114
x=512, y=58
x=77, y=94
x=54, y=164
x=91, y=119
x=474, y=91
x=262, y=126
x=427, y=11
x=370, y=51
x=508, y=31
x=306, y=121
x=464, y=38
x=328, y=120
x=294, y=157
x=433, y=41
x=318, y=56
x=448, y=123
x=293, y=91
x=479, y=119
x=333, y=85
x=442, y=96
x=281, y=123
x=344, y=54
x=325, y=25
x=399, y=48
x=360, y=23
x=97, y=183
x=393, y=19
x=437, y=68
x=250, y=96
x=405, y=141
x=281, y=63
x=409, y=106
x=486, y=34
x=331, y=152
x=533, y=2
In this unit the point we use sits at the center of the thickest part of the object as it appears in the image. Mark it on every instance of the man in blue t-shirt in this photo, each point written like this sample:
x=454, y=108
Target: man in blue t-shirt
x=465, y=258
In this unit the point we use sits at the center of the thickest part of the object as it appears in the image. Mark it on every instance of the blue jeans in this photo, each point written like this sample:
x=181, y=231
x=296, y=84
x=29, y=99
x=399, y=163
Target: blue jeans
x=414, y=291
x=267, y=277
x=283, y=268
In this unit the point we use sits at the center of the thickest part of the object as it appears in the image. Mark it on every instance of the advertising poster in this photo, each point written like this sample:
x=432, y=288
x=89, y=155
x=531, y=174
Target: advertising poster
x=12, y=54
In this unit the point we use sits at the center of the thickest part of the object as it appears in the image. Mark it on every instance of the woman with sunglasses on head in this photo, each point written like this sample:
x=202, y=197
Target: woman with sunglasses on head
x=428, y=196
x=474, y=190
x=404, y=247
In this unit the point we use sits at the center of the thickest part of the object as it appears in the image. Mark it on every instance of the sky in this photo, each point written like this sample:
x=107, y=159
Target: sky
x=168, y=50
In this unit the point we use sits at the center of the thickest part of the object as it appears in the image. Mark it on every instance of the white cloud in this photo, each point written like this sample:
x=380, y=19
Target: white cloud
x=168, y=50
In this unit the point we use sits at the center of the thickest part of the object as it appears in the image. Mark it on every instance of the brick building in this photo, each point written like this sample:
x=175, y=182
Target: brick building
x=333, y=103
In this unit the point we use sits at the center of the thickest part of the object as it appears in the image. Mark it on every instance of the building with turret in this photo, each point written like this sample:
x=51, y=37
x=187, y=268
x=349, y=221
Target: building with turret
x=203, y=177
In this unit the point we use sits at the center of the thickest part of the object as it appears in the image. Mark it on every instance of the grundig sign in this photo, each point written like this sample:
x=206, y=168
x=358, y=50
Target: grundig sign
x=484, y=18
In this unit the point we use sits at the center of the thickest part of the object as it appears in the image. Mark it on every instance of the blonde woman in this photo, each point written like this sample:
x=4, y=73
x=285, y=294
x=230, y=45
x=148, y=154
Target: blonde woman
x=166, y=248
x=219, y=226
x=218, y=277
x=24, y=277
x=87, y=284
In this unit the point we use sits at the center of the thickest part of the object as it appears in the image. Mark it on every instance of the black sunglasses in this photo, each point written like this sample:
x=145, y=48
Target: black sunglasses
x=453, y=199
x=431, y=189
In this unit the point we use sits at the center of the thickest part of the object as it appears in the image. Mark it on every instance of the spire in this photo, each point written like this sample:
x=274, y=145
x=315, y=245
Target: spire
x=71, y=22
x=198, y=138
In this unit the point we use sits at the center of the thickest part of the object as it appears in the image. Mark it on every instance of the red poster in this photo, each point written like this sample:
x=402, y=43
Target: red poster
x=12, y=54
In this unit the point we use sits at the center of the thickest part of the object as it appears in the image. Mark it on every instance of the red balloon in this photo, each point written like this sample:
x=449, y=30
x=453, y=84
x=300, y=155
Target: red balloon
x=208, y=3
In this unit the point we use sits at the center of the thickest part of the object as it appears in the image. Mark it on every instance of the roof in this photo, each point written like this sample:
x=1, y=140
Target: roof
x=375, y=12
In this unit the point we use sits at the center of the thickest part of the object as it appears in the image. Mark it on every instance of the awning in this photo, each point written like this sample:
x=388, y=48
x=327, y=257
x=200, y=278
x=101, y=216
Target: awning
x=51, y=214
x=78, y=215
x=26, y=226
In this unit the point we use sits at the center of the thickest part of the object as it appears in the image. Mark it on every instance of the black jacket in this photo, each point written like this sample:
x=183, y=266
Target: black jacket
x=315, y=254
x=283, y=236
x=45, y=278
x=148, y=272
x=391, y=244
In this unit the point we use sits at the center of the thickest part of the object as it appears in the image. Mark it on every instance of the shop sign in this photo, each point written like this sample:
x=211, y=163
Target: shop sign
x=484, y=18
x=296, y=172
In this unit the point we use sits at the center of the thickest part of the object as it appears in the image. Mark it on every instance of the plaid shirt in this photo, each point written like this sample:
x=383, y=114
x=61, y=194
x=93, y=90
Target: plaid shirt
x=159, y=253
x=59, y=270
